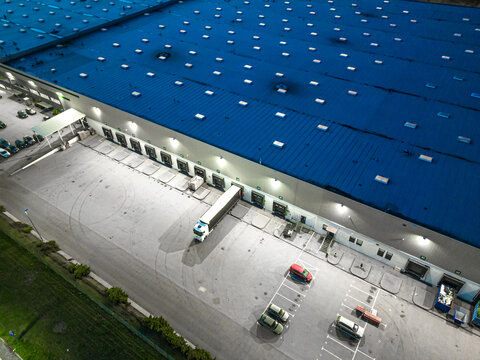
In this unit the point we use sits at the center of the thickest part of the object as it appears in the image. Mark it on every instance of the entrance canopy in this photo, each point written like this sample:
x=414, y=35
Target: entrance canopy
x=58, y=122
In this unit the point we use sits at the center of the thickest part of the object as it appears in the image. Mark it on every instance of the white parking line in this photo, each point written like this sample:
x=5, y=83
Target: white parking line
x=339, y=343
x=294, y=302
x=348, y=307
x=360, y=290
x=356, y=349
x=310, y=266
x=361, y=352
x=331, y=353
x=299, y=293
x=370, y=306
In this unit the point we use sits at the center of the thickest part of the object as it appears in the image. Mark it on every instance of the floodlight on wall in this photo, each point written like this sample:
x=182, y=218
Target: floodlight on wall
x=275, y=183
x=32, y=83
x=341, y=209
x=174, y=142
x=97, y=110
x=10, y=76
x=133, y=126
x=221, y=161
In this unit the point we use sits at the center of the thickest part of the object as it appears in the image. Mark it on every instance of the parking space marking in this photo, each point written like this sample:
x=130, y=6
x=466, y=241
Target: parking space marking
x=310, y=266
x=331, y=353
x=348, y=307
x=361, y=352
x=350, y=296
x=360, y=290
x=286, y=299
x=339, y=343
x=299, y=293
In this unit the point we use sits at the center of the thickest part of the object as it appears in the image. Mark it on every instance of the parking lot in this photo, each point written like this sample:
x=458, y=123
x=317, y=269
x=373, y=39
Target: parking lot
x=135, y=230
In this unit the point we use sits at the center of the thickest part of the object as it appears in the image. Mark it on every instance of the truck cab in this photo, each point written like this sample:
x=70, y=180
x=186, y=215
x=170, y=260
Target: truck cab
x=200, y=231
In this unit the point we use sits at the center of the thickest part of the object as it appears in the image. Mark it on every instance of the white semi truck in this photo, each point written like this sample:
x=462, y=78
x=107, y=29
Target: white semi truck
x=213, y=215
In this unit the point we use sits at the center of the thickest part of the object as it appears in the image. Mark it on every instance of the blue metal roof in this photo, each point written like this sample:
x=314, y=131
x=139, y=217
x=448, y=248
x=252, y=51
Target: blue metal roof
x=364, y=70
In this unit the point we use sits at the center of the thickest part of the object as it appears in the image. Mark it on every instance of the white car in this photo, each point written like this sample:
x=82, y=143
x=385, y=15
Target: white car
x=349, y=327
x=278, y=312
x=4, y=153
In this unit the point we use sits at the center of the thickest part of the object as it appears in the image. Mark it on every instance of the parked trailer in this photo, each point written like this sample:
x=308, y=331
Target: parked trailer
x=213, y=215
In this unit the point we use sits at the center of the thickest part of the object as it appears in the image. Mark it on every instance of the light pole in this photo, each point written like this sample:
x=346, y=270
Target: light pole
x=26, y=213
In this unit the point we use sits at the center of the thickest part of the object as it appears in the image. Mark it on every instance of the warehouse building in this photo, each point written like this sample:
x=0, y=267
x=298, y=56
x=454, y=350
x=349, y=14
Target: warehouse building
x=358, y=116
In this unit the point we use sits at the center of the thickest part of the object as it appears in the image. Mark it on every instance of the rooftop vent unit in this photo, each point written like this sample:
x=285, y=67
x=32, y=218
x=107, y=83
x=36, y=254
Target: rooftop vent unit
x=167, y=46
x=136, y=94
x=219, y=59
x=100, y=58
x=256, y=48
x=216, y=72
x=242, y=103
x=278, y=144
x=353, y=93
x=382, y=179
x=230, y=42
x=161, y=26
x=125, y=66
x=196, y=12
x=374, y=44
x=191, y=52
x=431, y=86
x=186, y=22
x=397, y=39
x=256, y=37
x=261, y=24
x=145, y=40
x=188, y=65
x=278, y=74
x=282, y=91
x=138, y=51
x=413, y=21
x=285, y=54
x=116, y=44
x=287, y=29
x=205, y=36
x=209, y=92
x=458, y=78
x=313, y=33
x=217, y=16
x=425, y=158
x=313, y=83
x=378, y=62
x=183, y=31
x=445, y=57
x=457, y=35
x=366, y=34
x=283, y=43
x=248, y=81
x=464, y=139
x=200, y=116
x=443, y=115
x=364, y=20
x=351, y=68
x=207, y=27
x=322, y=127
x=310, y=24
x=312, y=49
x=280, y=115
x=469, y=51
x=410, y=125
x=344, y=55
x=475, y=95
x=83, y=75
x=317, y=61
x=320, y=101
x=150, y=74
x=178, y=83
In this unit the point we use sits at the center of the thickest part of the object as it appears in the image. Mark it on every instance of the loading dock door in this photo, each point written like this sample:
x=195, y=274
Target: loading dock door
x=416, y=268
x=136, y=145
x=108, y=133
x=121, y=139
x=200, y=172
x=166, y=158
x=279, y=209
x=451, y=281
x=258, y=199
x=182, y=166
x=151, y=152
x=241, y=187
x=218, y=182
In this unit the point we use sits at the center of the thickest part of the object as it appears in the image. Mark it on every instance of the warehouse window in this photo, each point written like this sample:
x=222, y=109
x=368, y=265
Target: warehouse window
x=352, y=239
x=388, y=256
x=359, y=242
x=381, y=252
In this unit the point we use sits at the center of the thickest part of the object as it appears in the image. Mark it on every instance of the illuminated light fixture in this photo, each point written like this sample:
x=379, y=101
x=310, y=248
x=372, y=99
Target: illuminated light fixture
x=133, y=126
x=174, y=142
x=31, y=83
x=96, y=110
x=341, y=209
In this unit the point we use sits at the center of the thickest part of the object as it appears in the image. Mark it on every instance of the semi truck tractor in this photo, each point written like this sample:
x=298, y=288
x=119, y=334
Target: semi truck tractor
x=213, y=215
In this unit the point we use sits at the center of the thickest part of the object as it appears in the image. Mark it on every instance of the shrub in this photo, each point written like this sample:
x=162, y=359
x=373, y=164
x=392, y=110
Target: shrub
x=71, y=268
x=2, y=209
x=160, y=325
x=117, y=295
x=27, y=229
x=81, y=271
x=48, y=247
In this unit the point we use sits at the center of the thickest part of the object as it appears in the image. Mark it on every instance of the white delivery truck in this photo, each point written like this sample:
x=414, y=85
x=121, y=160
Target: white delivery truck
x=213, y=215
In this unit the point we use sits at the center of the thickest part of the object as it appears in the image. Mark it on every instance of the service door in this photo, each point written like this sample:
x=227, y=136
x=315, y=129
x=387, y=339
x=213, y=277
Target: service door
x=108, y=133
x=218, y=182
x=258, y=199
x=136, y=145
x=279, y=209
x=121, y=139
x=200, y=172
x=182, y=166
x=241, y=187
x=84, y=123
x=166, y=158
x=151, y=152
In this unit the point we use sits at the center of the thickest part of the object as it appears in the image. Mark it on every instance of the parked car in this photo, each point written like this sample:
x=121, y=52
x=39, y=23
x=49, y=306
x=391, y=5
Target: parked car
x=349, y=327
x=2, y=125
x=28, y=140
x=278, y=313
x=4, y=153
x=268, y=322
x=21, y=114
x=38, y=138
x=297, y=272
x=20, y=144
x=30, y=111
x=12, y=149
x=4, y=143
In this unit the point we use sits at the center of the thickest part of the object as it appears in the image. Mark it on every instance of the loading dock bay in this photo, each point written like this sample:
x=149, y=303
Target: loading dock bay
x=136, y=232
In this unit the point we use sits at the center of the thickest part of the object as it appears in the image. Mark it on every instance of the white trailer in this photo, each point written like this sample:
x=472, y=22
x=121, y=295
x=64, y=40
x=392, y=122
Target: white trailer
x=213, y=215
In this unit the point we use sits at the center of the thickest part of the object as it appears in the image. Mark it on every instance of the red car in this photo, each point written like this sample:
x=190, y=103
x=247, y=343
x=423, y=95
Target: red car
x=297, y=272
